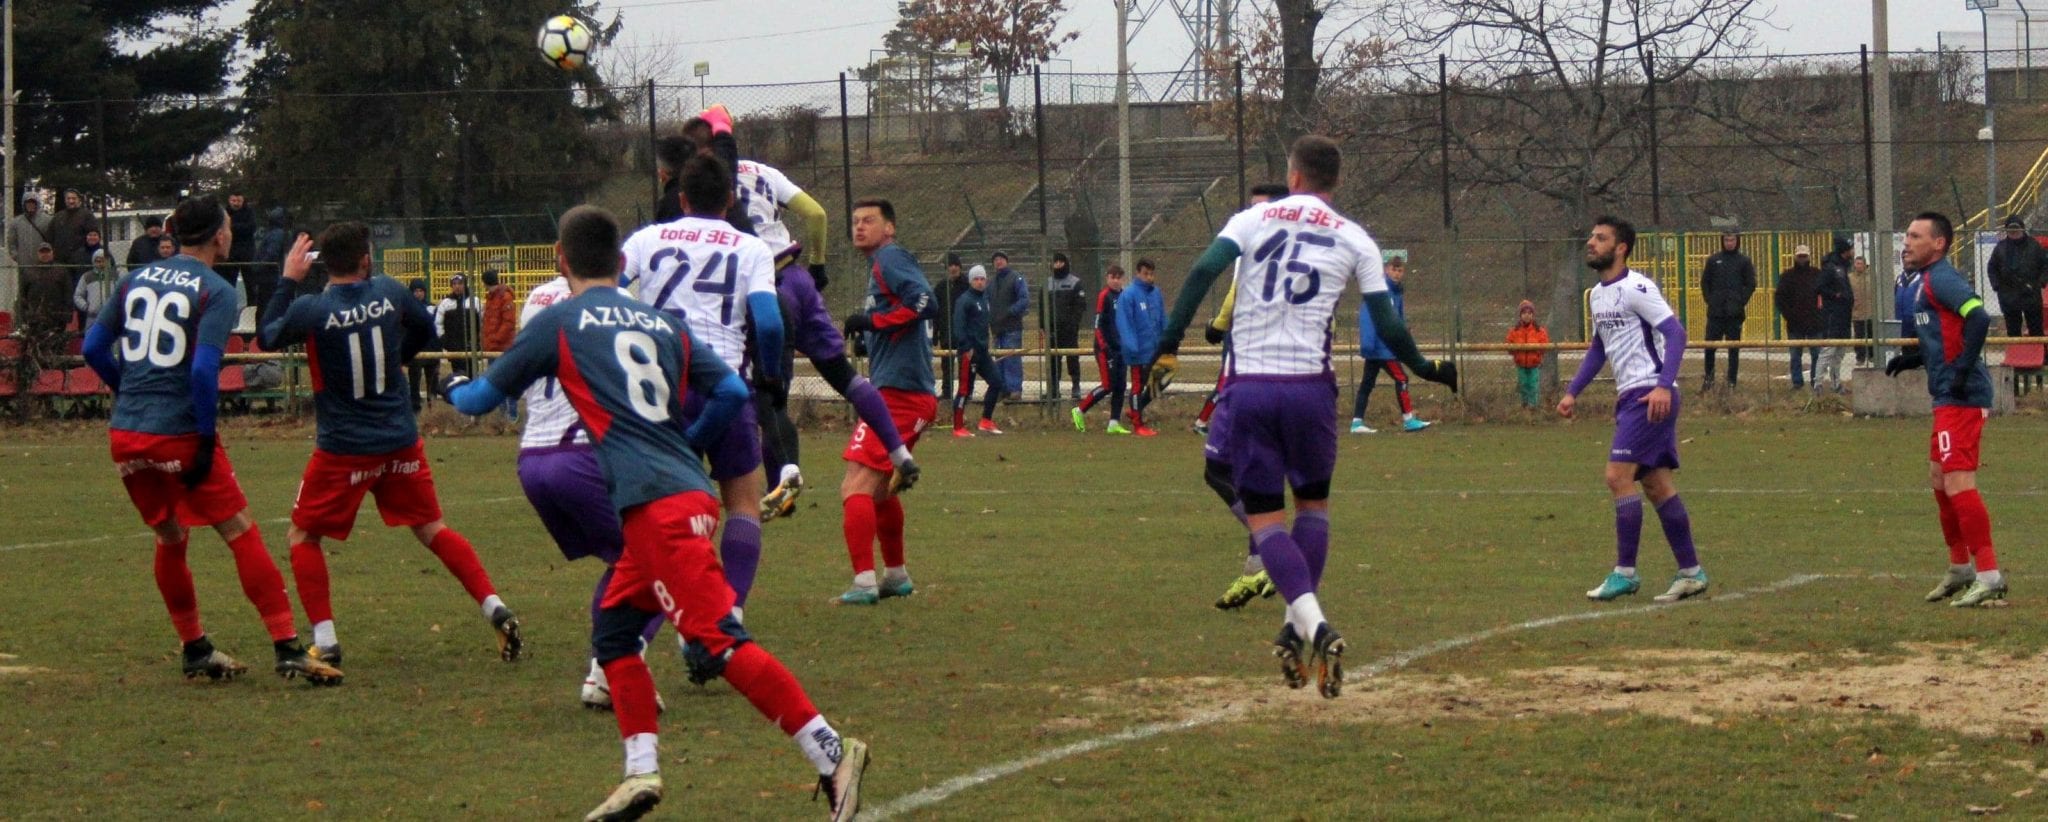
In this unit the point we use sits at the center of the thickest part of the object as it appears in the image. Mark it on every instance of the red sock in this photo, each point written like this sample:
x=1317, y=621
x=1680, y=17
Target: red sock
x=759, y=677
x=889, y=527
x=1208, y=408
x=460, y=559
x=959, y=415
x=632, y=695
x=309, y=575
x=1975, y=521
x=860, y=531
x=174, y=581
x=1951, y=530
x=262, y=584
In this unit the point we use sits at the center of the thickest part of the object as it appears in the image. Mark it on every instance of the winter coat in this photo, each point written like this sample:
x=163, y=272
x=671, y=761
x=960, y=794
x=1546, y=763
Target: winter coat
x=142, y=251
x=501, y=318
x=970, y=321
x=25, y=233
x=1140, y=321
x=2018, y=267
x=1728, y=281
x=271, y=241
x=68, y=228
x=1010, y=299
x=242, y=248
x=1370, y=346
x=1837, y=295
x=1799, y=300
x=1528, y=334
x=1069, y=301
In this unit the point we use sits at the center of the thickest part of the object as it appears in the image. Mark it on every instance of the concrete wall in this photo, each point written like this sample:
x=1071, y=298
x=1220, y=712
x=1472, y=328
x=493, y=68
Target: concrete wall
x=1906, y=395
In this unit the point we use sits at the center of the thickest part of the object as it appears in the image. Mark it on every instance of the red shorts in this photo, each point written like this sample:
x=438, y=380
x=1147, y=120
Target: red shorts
x=150, y=465
x=1957, y=428
x=669, y=567
x=333, y=486
x=912, y=411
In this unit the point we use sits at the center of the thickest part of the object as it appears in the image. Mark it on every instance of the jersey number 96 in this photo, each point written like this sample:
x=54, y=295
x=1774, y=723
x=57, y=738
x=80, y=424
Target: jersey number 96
x=155, y=327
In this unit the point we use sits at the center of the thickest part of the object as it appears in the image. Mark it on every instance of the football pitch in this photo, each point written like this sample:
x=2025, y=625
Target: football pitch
x=1061, y=659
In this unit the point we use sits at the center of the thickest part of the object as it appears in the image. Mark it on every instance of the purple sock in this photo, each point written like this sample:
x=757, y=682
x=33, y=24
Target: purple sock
x=1251, y=544
x=653, y=627
x=740, y=551
x=868, y=404
x=1628, y=530
x=1312, y=535
x=604, y=581
x=1678, y=531
x=1284, y=562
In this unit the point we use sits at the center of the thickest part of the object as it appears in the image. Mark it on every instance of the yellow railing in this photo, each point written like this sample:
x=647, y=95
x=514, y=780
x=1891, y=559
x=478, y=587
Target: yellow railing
x=2023, y=197
x=520, y=266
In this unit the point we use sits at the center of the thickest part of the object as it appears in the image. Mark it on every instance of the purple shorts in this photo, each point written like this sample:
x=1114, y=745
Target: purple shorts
x=805, y=320
x=736, y=454
x=1282, y=432
x=1217, y=446
x=567, y=489
x=1650, y=445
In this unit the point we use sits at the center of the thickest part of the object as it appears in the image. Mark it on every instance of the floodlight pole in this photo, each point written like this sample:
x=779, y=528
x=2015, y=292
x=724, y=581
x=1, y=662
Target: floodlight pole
x=1989, y=134
x=10, y=282
x=1883, y=260
x=1123, y=134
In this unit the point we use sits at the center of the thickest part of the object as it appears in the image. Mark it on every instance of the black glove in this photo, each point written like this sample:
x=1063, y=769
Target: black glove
x=202, y=462
x=818, y=275
x=1903, y=362
x=1961, y=384
x=1440, y=371
x=1213, y=335
x=858, y=322
x=450, y=383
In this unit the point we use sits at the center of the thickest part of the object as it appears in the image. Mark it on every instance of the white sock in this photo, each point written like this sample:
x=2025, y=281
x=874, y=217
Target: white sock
x=1408, y=416
x=596, y=675
x=323, y=633
x=864, y=579
x=737, y=616
x=820, y=744
x=1991, y=578
x=491, y=604
x=900, y=455
x=1305, y=614
x=1689, y=572
x=640, y=755
x=1357, y=421
x=1964, y=568
x=1626, y=570
x=895, y=573
x=791, y=472
x=1253, y=564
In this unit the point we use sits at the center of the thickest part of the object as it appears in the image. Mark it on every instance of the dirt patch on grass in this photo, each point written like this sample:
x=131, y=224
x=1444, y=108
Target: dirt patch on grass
x=1953, y=688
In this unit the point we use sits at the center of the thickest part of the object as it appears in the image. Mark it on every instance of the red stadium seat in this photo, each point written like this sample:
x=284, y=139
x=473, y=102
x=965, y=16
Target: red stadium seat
x=231, y=379
x=236, y=345
x=10, y=348
x=83, y=382
x=9, y=388
x=74, y=346
x=6, y=323
x=48, y=383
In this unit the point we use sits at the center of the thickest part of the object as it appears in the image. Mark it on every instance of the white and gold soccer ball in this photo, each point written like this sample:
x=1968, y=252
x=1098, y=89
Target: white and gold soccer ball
x=565, y=41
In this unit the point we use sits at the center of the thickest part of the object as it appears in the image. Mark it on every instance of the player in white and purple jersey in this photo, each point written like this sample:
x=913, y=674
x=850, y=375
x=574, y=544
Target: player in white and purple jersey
x=1301, y=254
x=630, y=371
x=1637, y=333
x=722, y=283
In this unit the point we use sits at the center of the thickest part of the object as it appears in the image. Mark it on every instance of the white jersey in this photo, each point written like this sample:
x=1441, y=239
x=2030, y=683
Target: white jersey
x=765, y=191
x=1296, y=255
x=703, y=271
x=1626, y=314
x=550, y=419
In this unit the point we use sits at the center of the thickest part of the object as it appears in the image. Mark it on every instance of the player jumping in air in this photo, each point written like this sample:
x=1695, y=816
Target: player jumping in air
x=1951, y=322
x=359, y=332
x=900, y=362
x=1109, y=357
x=722, y=283
x=1636, y=331
x=1254, y=582
x=158, y=343
x=629, y=371
x=1283, y=390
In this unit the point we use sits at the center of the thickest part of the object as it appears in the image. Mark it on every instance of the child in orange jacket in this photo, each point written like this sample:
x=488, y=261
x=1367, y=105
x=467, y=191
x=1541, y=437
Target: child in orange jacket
x=1528, y=363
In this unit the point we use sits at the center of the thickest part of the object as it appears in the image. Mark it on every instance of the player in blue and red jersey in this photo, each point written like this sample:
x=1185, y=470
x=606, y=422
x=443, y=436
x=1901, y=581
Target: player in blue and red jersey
x=629, y=369
x=359, y=332
x=158, y=344
x=900, y=364
x=1951, y=322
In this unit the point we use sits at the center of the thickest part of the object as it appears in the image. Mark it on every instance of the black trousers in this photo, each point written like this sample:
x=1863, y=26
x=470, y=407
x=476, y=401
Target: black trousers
x=1066, y=335
x=2022, y=315
x=1724, y=328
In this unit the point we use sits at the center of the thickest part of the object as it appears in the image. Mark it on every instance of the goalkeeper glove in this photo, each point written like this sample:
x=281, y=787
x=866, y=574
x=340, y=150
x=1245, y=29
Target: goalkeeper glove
x=1163, y=367
x=1903, y=362
x=450, y=383
x=1213, y=335
x=858, y=322
x=202, y=462
x=1440, y=371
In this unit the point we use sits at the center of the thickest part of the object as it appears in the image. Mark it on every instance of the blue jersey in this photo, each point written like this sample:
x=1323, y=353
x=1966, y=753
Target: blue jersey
x=626, y=368
x=899, y=301
x=1370, y=346
x=1140, y=320
x=358, y=337
x=970, y=321
x=162, y=313
x=1938, y=321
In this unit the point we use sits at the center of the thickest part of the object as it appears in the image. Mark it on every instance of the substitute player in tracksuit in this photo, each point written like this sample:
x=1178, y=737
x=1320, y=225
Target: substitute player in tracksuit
x=1951, y=322
x=1109, y=356
x=1140, y=316
x=970, y=341
x=158, y=343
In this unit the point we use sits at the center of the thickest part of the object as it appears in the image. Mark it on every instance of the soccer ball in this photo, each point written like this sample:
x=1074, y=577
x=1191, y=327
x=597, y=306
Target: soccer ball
x=565, y=42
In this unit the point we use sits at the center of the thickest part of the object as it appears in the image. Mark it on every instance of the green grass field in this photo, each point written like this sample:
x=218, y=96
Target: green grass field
x=1061, y=659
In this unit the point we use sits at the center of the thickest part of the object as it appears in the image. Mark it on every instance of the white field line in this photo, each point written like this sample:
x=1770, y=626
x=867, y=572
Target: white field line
x=947, y=789
x=1592, y=490
x=142, y=535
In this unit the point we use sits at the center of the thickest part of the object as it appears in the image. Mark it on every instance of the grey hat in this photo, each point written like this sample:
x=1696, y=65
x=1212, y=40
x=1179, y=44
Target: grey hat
x=977, y=273
x=30, y=197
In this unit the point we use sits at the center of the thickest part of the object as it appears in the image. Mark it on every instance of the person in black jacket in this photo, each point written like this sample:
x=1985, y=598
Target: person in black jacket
x=1798, y=300
x=1837, y=309
x=669, y=155
x=2019, y=267
x=1727, y=281
x=1069, y=306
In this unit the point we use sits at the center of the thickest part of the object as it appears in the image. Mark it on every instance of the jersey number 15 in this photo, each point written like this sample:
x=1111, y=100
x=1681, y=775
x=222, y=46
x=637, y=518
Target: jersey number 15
x=1302, y=280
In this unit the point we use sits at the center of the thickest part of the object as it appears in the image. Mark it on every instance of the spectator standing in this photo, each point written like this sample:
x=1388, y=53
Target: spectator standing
x=2019, y=267
x=27, y=231
x=242, y=247
x=1140, y=321
x=94, y=244
x=1010, y=301
x=1069, y=305
x=166, y=247
x=501, y=314
x=1859, y=327
x=1727, y=281
x=143, y=250
x=970, y=329
x=268, y=262
x=457, y=321
x=1837, y=309
x=1798, y=300
x=425, y=373
x=45, y=298
x=91, y=291
x=948, y=292
x=1528, y=364
x=68, y=228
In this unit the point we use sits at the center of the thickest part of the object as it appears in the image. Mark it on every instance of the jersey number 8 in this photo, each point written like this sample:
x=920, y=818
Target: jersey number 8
x=155, y=326
x=646, y=386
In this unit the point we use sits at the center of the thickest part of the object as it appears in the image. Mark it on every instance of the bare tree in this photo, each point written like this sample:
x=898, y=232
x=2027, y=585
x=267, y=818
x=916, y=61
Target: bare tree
x=1007, y=36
